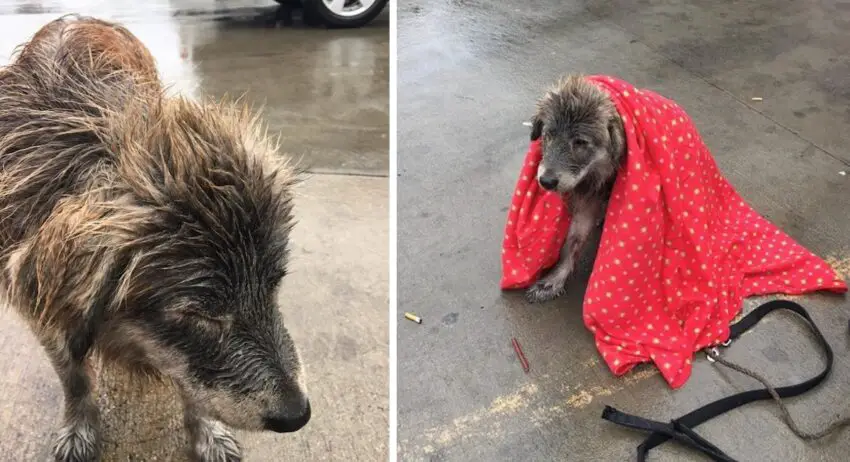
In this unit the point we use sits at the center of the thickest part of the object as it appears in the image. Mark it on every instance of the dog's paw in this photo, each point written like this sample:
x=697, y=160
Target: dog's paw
x=77, y=443
x=216, y=444
x=545, y=290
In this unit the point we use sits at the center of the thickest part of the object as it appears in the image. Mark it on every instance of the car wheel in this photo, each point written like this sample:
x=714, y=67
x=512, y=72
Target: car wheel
x=345, y=13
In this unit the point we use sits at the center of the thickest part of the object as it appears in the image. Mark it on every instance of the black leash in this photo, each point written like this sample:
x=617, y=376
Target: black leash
x=681, y=429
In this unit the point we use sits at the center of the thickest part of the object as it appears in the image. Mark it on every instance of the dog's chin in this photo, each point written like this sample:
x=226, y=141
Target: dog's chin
x=568, y=187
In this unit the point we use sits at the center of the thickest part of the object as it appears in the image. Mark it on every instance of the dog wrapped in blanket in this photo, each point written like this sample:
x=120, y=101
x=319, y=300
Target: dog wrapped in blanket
x=680, y=248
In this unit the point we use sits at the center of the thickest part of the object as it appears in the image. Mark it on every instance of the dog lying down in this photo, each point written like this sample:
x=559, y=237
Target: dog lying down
x=152, y=230
x=680, y=248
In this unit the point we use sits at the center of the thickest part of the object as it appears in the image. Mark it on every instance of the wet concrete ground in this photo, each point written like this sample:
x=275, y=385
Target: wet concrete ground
x=469, y=73
x=326, y=92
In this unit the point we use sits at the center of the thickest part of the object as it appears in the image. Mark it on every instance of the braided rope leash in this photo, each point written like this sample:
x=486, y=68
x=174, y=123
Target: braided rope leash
x=714, y=355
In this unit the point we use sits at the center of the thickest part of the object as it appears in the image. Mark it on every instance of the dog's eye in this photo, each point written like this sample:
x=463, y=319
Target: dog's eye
x=580, y=143
x=573, y=169
x=202, y=316
x=201, y=312
x=218, y=326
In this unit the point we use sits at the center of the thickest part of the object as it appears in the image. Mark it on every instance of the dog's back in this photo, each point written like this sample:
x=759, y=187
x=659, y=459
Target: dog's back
x=55, y=99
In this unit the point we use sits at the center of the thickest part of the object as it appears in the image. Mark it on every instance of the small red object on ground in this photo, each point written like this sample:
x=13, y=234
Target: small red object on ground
x=520, y=355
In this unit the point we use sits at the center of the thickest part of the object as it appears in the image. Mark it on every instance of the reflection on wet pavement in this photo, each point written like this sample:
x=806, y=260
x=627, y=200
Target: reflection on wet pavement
x=325, y=91
x=328, y=94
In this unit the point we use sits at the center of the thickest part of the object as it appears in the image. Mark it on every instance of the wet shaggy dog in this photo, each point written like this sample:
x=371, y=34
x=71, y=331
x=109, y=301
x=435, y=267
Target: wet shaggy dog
x=149, y=230
x=583, y=143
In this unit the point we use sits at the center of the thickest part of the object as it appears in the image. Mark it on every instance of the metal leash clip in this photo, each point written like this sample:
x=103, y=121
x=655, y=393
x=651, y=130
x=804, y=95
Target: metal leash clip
x=713, y=352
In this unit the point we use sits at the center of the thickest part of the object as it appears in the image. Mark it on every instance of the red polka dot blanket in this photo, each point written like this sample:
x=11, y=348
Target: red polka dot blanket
x=680, y=249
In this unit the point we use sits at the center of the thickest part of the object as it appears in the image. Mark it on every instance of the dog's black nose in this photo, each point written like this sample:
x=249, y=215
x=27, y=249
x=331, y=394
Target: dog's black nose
x=288, y=423
x=549, y=182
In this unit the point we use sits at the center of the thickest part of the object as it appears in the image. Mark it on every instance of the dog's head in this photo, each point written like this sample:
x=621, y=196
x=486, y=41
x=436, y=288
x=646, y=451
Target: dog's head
x=581, y=133
x=201, y=288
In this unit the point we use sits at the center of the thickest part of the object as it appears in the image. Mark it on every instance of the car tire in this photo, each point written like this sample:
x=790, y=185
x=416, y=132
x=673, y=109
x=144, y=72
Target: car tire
x=318, y=9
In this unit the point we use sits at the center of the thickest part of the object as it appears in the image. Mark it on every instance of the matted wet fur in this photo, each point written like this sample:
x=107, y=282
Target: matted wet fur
x=583, y=144
x=151, y=230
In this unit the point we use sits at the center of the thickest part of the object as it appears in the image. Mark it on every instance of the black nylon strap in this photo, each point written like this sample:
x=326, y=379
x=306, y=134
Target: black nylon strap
x=673, y=430
x=680, y=429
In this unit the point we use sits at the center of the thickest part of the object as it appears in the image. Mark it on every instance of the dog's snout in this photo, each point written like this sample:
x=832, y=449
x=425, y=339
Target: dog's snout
x=548, y=182
x=288, y=421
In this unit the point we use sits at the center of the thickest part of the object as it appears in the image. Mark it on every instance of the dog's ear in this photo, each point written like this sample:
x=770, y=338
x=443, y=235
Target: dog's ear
x=536, y=128
x=616, y=133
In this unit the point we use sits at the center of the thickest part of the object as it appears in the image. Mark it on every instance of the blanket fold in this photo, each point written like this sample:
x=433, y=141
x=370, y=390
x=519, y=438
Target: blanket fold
x=680, y=248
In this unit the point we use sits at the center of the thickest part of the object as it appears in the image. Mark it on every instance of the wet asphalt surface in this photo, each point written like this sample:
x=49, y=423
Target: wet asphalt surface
x=326, y=93
x=469, y=73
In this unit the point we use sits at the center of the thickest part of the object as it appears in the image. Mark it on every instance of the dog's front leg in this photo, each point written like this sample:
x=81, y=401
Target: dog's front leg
x=79, y=437
x=585, y=217
x=209, y=440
